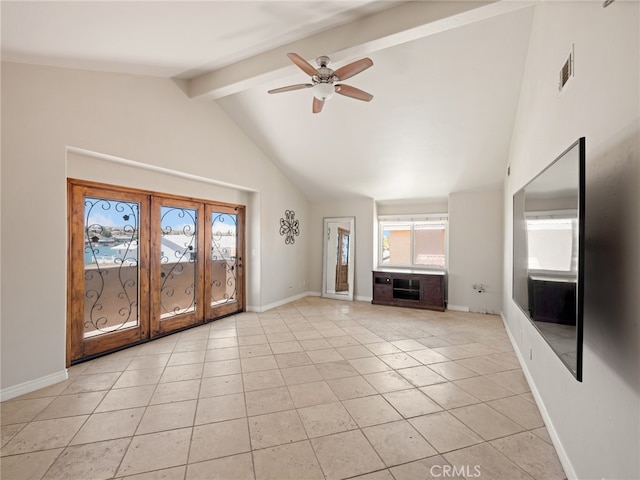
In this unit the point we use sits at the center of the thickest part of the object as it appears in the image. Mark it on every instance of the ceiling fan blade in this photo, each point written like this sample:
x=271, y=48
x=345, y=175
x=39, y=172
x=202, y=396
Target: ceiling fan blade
x=289, y=88
x=352, y=69
x=317, y=105
x=305, y=66
x=353, y=92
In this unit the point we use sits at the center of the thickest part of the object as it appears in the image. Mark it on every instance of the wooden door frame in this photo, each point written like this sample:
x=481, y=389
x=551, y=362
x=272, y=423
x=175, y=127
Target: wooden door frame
x=240, y=305
x=76, y=189
x=77, y=346
x=158, y=326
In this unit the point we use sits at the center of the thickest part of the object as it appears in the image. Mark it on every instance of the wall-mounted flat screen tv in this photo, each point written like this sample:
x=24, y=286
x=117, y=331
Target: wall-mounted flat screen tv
x=548, y=253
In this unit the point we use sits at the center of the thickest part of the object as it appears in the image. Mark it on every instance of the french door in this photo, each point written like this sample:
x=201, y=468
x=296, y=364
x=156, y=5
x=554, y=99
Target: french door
x=142, y=265
x=224, y=272
x=108, y=302
x=176, y=265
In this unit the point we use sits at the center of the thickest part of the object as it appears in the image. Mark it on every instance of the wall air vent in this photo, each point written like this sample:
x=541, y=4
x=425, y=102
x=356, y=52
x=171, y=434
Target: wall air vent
x=567, y=71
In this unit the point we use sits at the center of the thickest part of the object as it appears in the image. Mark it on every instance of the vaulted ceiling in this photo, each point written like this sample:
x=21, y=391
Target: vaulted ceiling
x=445, y=80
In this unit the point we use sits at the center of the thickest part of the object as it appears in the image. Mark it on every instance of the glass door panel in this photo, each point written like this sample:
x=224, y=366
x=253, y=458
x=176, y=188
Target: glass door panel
x=223, y=258
x=225, y=277
x=178, y=251
x=176, y=270
x=111, y=270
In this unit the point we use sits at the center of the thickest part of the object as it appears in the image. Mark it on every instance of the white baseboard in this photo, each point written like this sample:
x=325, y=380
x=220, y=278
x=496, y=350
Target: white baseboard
x=557, y=443
x=458, y=308
x=264, y=308
x=33, y=385
x=279, y=303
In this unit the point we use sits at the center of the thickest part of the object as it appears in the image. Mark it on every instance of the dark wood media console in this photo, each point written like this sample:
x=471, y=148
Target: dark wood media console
x=552, y=299
x=409, y=289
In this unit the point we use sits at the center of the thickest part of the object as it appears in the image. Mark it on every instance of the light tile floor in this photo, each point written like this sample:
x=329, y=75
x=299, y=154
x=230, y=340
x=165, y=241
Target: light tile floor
x=316, y=389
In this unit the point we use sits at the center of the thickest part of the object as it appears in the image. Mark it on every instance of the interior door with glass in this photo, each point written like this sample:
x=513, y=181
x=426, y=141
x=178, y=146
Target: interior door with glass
x=224, y=277
x=176, y=265
x=108, y=302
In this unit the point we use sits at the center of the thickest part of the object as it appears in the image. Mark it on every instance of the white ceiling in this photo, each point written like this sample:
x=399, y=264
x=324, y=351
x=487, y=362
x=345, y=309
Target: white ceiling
x=445, y=80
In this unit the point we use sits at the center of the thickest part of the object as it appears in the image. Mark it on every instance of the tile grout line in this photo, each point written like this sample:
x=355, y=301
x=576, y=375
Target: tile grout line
x=338, y=323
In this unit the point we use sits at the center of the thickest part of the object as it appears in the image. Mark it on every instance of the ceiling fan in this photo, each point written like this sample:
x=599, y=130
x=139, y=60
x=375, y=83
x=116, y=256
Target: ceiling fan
x=323, y=80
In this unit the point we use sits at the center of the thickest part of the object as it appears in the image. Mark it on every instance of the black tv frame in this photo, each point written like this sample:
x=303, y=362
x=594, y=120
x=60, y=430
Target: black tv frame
x=579, y=297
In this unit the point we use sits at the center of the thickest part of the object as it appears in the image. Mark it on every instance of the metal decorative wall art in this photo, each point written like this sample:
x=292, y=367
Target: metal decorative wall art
x=289, y=226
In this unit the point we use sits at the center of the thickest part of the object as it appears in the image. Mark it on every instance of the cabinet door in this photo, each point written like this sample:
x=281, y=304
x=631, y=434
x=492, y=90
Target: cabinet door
x=382, y=287
x=433, y=291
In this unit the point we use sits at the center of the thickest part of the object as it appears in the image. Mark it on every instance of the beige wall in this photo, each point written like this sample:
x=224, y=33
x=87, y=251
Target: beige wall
x=475, y=250
x=595, y=423
x=144, y=120
x=403, y=208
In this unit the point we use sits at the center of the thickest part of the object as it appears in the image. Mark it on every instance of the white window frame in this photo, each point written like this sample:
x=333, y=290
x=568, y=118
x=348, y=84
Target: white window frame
x=431, y=217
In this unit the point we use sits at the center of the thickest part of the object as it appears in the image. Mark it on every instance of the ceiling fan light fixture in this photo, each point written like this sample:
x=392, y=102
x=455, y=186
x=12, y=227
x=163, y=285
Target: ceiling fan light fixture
x=323, y=80
x=323, y=91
